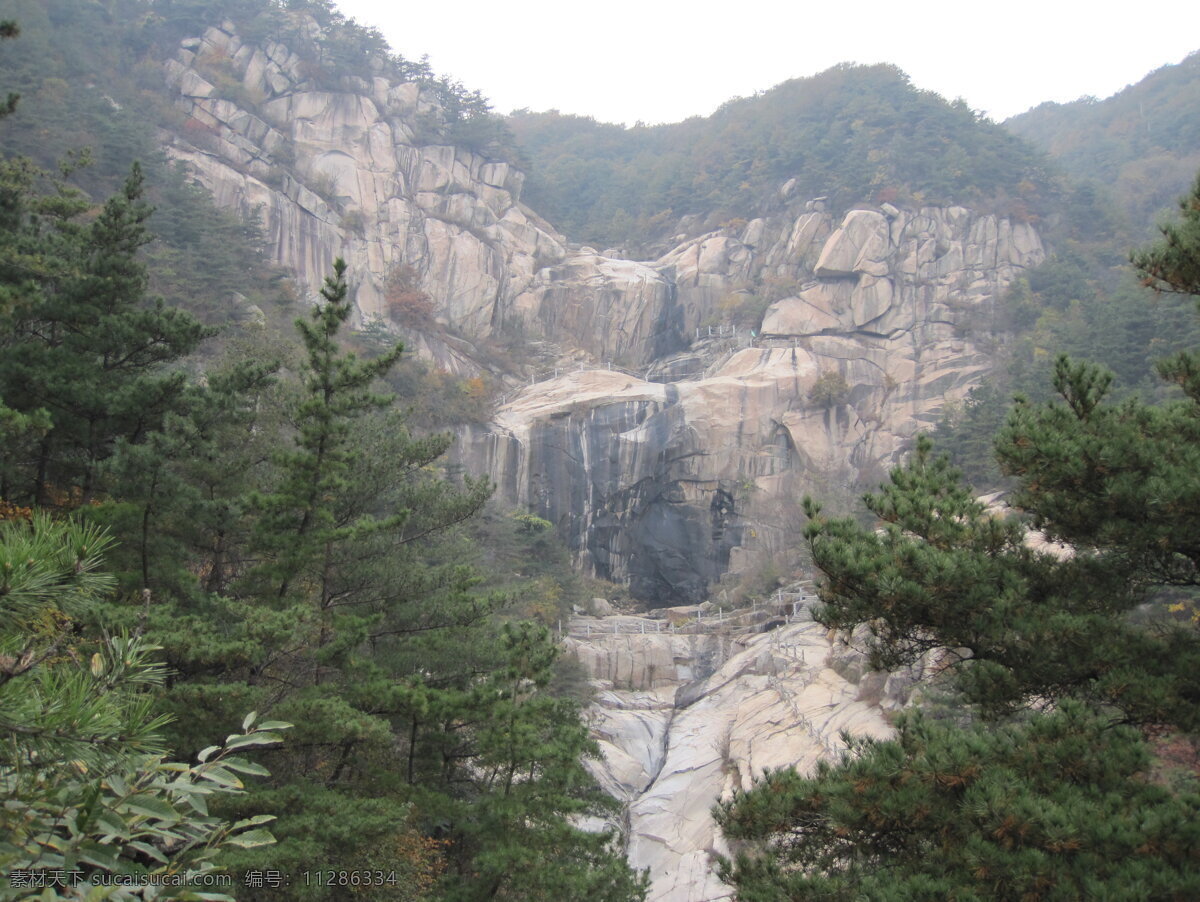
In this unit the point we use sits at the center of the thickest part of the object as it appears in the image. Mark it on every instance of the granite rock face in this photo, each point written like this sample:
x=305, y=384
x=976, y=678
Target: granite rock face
x=676, y=454
x=611, y=309
x=684, y=720
x=666, y=484
x=343, y=173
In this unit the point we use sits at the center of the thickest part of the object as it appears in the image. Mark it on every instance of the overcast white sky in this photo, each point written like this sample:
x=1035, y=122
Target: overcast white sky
x=665, y=60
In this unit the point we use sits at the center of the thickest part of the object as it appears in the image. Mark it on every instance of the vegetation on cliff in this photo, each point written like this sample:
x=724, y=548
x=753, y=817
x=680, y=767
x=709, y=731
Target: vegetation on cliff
x=290, y=549
x=852, y=133
x=278, y=541
x=1072, y=667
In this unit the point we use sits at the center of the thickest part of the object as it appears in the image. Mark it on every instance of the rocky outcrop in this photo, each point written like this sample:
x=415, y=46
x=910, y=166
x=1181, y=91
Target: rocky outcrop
x=668, y=484
x=612, y=309
x=675, y=469
x=870, y=262
x=340, y=173
x=344, y=173
x=684, y=720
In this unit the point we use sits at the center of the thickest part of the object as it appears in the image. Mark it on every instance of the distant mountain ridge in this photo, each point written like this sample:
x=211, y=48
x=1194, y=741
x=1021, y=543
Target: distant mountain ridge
x=1142, y=142
x=858, y=134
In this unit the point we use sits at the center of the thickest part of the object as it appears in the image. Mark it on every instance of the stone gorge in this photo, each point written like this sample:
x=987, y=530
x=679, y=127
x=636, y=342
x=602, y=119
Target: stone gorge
x=689, y=710
x=664, y=451
x=666, y=446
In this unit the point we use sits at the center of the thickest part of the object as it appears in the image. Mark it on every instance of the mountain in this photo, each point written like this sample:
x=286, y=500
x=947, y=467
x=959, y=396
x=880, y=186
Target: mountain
x=772, y=301
x=1143, y=143
x=828, y=266
x=680, y=403
x=856, y=134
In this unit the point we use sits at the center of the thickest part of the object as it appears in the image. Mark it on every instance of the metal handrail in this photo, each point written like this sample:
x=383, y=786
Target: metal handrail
x=742, y=340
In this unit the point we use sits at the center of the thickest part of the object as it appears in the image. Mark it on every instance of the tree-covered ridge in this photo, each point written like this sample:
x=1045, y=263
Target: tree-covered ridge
x=854, y=133
x=1141, y=143
x=91, y=73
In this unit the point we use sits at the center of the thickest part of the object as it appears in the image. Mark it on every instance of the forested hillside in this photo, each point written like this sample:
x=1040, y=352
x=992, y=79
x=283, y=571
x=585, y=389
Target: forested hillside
x=1142, y=143
x=857, y=134
x=203, y=522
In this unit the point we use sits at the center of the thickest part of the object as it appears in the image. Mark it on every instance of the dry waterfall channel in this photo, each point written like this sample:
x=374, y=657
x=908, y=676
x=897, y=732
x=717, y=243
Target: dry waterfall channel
x=691, y=705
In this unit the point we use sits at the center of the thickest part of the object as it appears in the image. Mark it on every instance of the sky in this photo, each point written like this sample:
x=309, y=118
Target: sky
x=665, y=60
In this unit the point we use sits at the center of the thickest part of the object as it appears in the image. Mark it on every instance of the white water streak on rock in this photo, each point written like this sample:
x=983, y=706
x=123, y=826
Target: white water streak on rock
x=684, y=720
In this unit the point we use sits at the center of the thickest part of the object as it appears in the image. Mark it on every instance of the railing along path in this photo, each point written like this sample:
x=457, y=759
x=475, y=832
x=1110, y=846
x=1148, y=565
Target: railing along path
x=791, y=606
x=744, y=338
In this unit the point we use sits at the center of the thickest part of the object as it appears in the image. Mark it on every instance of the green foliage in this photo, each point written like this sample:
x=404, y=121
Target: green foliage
x=529, y=743
x=204, y=259
x=300, y=524
x=829, y=390
x=531, y=565
x=1172, y=264
x=853, y=133
x=1069, y=304
x=181, y=495
x=9, y=29
x=1140, y=144
x=1043, y=793
x=86, y=784
x=285, y=538
x=347, y=607
x=944, y=572
x=82, y=343
x=1055, y=808
x=967, y=432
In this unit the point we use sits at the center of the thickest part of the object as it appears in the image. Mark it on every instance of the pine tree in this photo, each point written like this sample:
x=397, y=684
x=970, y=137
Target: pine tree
x=179, y=498
x=1173, y=264
x=1066, y=662
x=82, y=342
x=422, y=722
x=87, y=787
x=301, y=526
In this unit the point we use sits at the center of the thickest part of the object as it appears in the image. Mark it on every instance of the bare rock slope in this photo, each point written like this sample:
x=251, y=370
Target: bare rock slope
x=668, y=484
x=686, y=718
x=677, y=448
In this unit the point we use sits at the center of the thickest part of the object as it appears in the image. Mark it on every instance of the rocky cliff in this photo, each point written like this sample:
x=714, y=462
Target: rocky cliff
x=668, y=483
x=669, y=454
x=340, y=174
x=344, y=173
x=686, y=717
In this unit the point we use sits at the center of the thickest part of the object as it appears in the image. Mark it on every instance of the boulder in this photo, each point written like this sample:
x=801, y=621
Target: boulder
x=859, y=245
